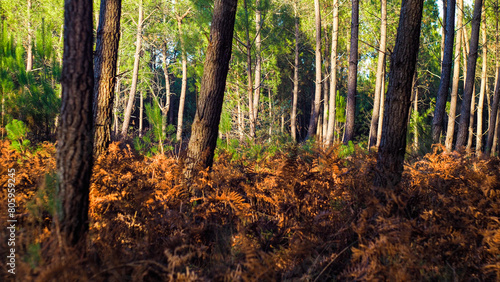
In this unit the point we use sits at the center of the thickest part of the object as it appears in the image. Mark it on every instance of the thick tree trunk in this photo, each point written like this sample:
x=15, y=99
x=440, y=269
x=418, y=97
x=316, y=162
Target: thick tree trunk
x=206, y=121
x=380, y=71
x=353, y=74
x=293, y=117
x=105, y=61
x=333, y=75
x=182, y=99
x=450, y=131
x=75, y=138
x=442, y=95
x=469, y=80
x=391, y=153
x=313, y=121
x=135, y=73
x=482, y=91
x=29, y=53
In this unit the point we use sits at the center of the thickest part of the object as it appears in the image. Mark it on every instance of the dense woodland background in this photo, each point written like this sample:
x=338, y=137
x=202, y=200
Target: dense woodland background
x=298, y=184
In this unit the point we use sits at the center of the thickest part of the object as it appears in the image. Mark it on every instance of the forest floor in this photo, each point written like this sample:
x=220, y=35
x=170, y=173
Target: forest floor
x=295, y=214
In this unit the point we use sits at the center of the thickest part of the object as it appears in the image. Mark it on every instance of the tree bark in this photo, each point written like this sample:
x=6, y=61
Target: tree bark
x=353, y=74
x=450, y=131
x=258, y=60
x=29, y=53
x=380, y=71
x=391, y=153
x=333, y=75
x=207, y=117
x=182, y=99
x=469, y=80
x=75, y=138
x=135, y=73
x=382, y=107
x=105, y=61
x=248, y=47
x=166, y=107
x=482, y=90
x=313, y=121
x=293, y=118
x=442, y=95
x=492, y=125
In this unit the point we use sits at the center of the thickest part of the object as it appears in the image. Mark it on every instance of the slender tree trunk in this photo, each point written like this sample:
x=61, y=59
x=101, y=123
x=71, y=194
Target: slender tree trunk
x=471, y=73
x=442, y=95
x=241, y=125
x=353, y=74
x=258, y=60
x=182, y=99
x=393, y=142
x=382, y=107
x=117, y=100
x=75, y=139
x=494, y=147
x=415, y=115
x=482, y=91
x=141, y=112
x=248, y=47
x=443, y=28
x=270, y=114
x=135, y=73
x=29, y=55
x=203, y=139
x=313, y=121
x=166, y=108
x=326, y=92
x=380, y=71
x=450, y=131
x=333, y=75
x=492, y=125
x=105, y=62
x=293, y=118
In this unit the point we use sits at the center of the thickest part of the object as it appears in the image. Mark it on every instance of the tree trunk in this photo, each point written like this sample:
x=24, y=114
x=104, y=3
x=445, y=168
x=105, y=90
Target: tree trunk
x=353, y=74
x=443, y=28
x=141, y=112
x=182, y=99
x=166, y=107
x=333, y=75
x=494, y=147
x=450, y=131
x=29, y=54
x=492, y=132
x=205, y=126
x=469, y=80
x=313, y=121
x=382, y=107
x=75, y=139
x=415, y=114
x=444, y=84
x=482, y=91
x=135, y=73
x=105, y=61
x=293, y=117
x=117, y=100
x=258, y=60
x=391, y=153
x=326, y=92
x=248, y=47
x=380, y=71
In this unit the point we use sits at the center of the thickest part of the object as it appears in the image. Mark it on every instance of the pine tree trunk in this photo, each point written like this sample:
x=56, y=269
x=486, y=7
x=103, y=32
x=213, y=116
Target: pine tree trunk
x=205, y=126
x=29, y=53
x=326, y=92
x=492, y=125
x=333, y=75
x=117, y=100
x=293, y=117
x=248, y=47
x=442, y=95
x=135, y=73
x=391, y=153
x=105, y=62
x=465, y=112
x=353, y=74
x=482, y=91
x=415, y=113
x=182, y=99
x=166, y=108
x=380, y=70
x=450, y=131
x=313, y=121
x=258, y=60
x=382, y=107
x=141, y=112
x=75, y=139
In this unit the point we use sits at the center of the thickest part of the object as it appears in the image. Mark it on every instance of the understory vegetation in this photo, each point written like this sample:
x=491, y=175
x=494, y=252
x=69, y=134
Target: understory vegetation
x=298, y=213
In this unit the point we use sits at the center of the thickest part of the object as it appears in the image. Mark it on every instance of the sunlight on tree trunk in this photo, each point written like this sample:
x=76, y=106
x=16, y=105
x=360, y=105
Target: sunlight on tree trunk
x=482, y=91
x=313, y=121
x=293, y=117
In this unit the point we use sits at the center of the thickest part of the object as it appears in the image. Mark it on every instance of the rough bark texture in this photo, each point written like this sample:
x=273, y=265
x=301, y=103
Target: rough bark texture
x=206, y=121
x=333, y=75
x=380, y=72
x=293, y=118
x=313, y=121
x=105, y=60
x=135, y=73
x=74, y=146
x=444, y=84
x=450, y=131
x=352, y=80
x=469, y=80
x=391, y=153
